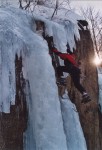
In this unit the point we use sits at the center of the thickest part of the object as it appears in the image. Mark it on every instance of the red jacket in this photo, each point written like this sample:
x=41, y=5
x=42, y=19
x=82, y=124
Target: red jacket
x=65, y=56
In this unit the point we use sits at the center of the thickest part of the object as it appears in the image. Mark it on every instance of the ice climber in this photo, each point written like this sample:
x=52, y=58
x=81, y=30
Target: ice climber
x=71, y=67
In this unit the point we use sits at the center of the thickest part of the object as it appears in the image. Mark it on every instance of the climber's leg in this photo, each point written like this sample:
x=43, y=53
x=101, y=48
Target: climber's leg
x=75, y=75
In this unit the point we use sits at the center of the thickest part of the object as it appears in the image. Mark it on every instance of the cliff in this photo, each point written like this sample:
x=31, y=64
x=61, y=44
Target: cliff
x=90, y=115
x=33, y=116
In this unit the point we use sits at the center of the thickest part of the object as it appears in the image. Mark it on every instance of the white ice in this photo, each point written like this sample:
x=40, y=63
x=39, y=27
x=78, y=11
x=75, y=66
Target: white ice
x=51, y=125
x=74, y=134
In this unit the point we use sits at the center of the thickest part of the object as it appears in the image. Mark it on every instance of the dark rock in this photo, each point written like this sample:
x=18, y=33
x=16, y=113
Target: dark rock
x=89, y=116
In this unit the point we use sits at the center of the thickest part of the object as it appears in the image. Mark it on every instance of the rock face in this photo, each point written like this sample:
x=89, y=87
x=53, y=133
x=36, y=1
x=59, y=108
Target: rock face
x=90, y=115
x=13, y=125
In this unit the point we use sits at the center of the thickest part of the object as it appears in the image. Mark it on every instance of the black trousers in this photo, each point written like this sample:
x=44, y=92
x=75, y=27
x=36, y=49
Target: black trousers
x=75, y=75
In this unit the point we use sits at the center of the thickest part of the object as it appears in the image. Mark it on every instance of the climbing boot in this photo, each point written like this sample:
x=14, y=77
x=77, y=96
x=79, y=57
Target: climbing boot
x=61, y=81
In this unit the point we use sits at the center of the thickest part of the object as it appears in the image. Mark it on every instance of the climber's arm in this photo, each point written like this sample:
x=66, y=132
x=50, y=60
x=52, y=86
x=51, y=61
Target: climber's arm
x=64, y=56
x=56, y=51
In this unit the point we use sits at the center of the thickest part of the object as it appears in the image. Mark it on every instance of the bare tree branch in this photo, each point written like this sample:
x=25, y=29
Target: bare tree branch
x=28, y=4
x=56, y=7
x=95, y=22
x=20, y=4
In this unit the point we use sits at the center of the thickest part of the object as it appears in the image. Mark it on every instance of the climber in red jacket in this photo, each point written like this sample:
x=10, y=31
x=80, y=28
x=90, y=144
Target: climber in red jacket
x=71, y=67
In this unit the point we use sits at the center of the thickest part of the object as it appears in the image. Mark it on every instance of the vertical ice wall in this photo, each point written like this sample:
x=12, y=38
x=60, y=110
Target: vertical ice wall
x=12, y=37
x=7, y=70
x=48, y=124
x=45, y=126
x=44, y=108
x=74, y=134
